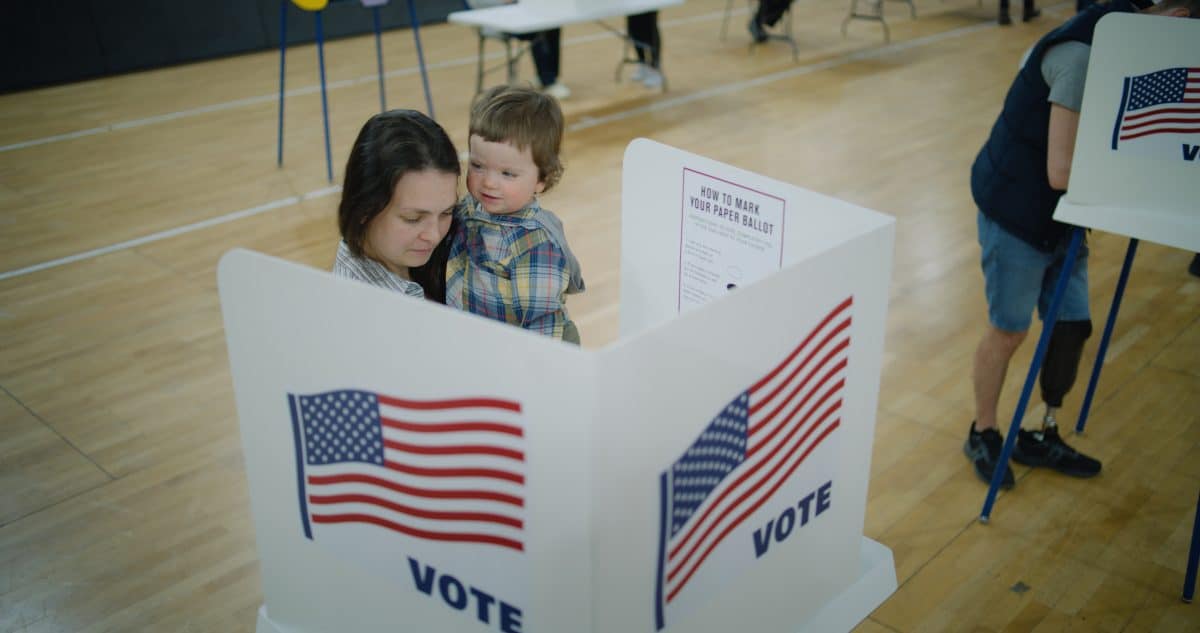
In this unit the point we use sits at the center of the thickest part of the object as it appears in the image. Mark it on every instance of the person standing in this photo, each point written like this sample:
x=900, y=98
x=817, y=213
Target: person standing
x=642, y=28
x=1028, y=12
x=767, y=15
x=1016, y=181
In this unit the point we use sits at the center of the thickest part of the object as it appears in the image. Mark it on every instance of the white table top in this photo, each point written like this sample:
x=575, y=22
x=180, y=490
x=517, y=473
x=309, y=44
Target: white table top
x=519, y=18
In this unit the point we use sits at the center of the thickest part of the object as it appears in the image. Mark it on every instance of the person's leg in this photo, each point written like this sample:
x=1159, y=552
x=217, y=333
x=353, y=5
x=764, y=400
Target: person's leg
x=643, y=29
x=635, y=29
x=1012, y=273
x=984, y=441
x=992, y=355
x=1061, y=363
x=1045, y=447
x=758, y=32
x=655, y=40
x=1029, y=11
x=769, y=11
x=1003, y=17
x=546, y=55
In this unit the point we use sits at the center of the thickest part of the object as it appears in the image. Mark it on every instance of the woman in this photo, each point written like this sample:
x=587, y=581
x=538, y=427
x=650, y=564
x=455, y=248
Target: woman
x=397, y=205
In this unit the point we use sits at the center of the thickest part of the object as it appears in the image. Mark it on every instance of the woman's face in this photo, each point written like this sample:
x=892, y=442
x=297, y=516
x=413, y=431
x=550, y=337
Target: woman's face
x=417, y=217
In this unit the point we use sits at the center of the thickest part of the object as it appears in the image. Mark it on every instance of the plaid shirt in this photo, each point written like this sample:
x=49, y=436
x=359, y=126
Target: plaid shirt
x=515, y=268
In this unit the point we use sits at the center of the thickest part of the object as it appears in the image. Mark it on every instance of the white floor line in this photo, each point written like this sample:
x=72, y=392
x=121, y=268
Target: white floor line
x=797, y=71
x=162, y=235
x=314, y=88
x=583, y=124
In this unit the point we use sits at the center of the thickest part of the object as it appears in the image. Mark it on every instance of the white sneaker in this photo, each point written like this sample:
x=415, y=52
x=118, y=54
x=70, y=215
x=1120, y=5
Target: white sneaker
x=639, y=73
x=653, y=78
x=557, y=90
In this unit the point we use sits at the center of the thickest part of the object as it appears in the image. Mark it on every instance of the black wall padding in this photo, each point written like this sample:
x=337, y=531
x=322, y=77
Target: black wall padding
x=46, y=42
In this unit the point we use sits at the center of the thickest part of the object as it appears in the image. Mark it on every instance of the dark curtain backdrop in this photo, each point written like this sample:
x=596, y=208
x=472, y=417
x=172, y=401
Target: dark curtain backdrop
x=48, y=42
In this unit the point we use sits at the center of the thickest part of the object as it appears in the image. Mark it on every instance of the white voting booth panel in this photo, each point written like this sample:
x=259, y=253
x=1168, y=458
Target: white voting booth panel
x=294, y=333
x=692, y=226
x=414, y=468
x=1136, y=168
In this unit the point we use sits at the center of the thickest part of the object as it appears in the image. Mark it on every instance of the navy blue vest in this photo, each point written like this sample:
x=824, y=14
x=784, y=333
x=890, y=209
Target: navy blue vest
x=1008, y=179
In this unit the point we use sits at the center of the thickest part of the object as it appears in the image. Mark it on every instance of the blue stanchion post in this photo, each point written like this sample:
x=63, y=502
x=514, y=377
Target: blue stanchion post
x=1048, y=321
x=282, y=68
x=1189, y=578
x=416, y=29
x=1108, y=329
x=379, y=58
x=324, y=101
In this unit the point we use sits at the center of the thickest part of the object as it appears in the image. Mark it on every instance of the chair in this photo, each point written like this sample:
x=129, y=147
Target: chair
x=485, y=34
x=875, y=14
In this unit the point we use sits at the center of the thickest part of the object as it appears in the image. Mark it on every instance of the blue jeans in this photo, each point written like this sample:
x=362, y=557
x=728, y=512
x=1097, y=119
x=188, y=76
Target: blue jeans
x=1017, y=277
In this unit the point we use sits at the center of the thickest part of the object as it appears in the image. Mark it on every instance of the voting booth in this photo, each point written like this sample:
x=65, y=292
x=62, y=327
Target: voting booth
x=416, y=468
x=1136, y=169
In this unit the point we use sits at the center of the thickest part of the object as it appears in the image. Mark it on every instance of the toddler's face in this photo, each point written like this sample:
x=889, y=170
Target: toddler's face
x=501, y=177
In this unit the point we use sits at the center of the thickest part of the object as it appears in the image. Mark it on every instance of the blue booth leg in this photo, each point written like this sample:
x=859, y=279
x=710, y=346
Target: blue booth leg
x=379, y=58
x=1189, y=579
x=282, y=68
x=416, y=29
x=324, y=100
x=1108, y=329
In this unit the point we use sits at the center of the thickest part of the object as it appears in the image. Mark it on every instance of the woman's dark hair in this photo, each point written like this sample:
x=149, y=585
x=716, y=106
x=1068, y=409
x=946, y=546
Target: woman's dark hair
x=388, y=146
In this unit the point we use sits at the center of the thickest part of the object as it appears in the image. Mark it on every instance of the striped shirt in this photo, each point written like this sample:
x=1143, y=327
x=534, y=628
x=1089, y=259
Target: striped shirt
x=370, y=271
x=515, y=268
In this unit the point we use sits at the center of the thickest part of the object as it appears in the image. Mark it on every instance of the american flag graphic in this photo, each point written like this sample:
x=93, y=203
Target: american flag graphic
x=748, y=451
x=437, y=470
x=1162, y=102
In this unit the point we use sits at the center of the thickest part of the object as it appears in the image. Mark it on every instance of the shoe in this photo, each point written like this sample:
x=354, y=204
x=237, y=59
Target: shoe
x=757, y=31
x=1003, y=19
x=983, y=449
x=1030, y=15
x=1046, y=448
x=653, y=78
x=557, y=90
x=639, y=73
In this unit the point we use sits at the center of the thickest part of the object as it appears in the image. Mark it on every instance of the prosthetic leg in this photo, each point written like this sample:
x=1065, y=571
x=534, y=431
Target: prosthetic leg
x=1062, y=360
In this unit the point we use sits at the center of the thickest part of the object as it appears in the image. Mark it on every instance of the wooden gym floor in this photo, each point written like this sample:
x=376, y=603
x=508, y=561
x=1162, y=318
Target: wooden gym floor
x=123, y=502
